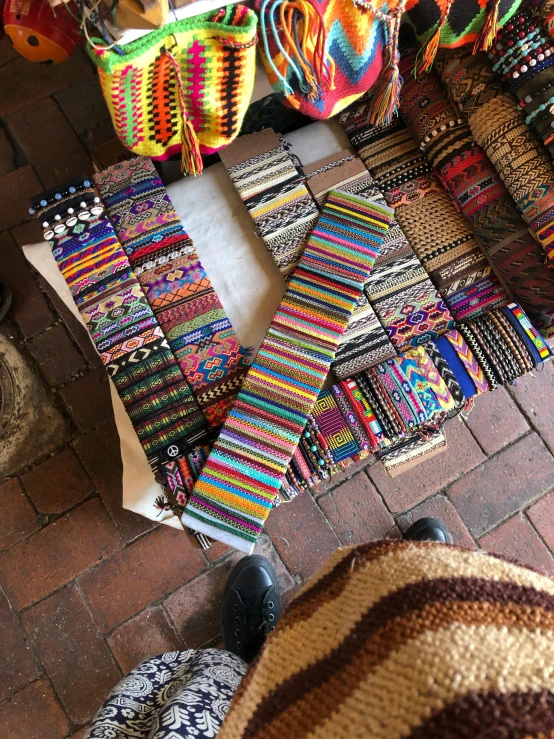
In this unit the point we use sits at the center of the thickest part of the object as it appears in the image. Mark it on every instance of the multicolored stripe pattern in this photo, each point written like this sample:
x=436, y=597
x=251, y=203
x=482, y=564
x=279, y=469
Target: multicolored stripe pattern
x=126, y=333
x=175, y=284
x=238, y=484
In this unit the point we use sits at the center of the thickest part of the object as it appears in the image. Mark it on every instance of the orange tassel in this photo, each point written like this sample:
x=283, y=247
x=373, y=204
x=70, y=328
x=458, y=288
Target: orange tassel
x=486, y=35
x=191, y=159
x=385, y=94
x=426, y=55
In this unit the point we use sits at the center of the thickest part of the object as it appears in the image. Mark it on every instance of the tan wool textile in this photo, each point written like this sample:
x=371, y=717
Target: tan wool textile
x=401, y=639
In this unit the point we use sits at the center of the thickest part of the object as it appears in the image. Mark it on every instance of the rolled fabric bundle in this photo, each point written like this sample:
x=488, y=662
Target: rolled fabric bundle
x=468, y=175
x=432, y=224
x=499, y=127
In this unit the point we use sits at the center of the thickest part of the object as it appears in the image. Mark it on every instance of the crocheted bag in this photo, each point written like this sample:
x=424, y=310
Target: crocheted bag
x=321, y=55
x=454, y=23
x=184, y=87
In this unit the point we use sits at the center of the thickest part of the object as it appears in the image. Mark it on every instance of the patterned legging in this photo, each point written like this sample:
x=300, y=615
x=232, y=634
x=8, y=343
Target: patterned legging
x=173, y=696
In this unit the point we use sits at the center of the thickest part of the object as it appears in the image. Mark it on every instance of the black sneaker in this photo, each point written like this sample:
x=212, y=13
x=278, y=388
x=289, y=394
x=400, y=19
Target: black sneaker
x=251, y=606
x=429, y=529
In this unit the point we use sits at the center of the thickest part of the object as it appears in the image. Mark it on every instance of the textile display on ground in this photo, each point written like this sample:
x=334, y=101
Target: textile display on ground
x=432, y=224
x=463, y=168
x=271, y=186
x=183, y=88
x=238, y=484
x=498, y=126
x=372, y=414
x=459, y=642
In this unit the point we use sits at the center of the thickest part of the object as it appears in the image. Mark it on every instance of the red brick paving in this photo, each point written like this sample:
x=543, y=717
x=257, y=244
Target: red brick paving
x=18, y=664
x=439, y=507
x=503, y=484
x=145, y=571
x=406, y=490
x=56, y=554
x=69, y=646
x=19, y=519
x=57, y=484
x=144, y=636
x=87, y=594
x=56, y=355
x=356, y=511
x=33, y=713
x=517, y=539
x=541, y=516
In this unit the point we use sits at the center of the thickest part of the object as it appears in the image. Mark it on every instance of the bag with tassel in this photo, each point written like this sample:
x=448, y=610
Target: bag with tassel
x=321, y=55
x=435, y=24
x=182, y=88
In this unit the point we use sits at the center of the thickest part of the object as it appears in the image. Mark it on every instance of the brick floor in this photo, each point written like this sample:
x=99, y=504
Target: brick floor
x=87, y=589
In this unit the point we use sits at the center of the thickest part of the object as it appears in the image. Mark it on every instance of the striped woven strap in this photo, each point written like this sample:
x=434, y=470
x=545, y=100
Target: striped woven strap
x=238, y=484
x=469, y=361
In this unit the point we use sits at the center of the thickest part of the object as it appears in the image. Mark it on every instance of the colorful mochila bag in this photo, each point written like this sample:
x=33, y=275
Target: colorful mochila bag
x=321, y=55
x=184, y=87
x=452, y=23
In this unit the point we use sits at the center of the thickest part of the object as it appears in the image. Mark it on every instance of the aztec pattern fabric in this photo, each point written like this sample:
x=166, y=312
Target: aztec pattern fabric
x=467, y=635
x=184, y=87
x=272, y=188
x=499, y=127
x=125, y=332
x=432, y=224
x=175, y=284
x=320, y=55
x=466, y=173
x=523, y=54
x=238, y=484
x=398, y=289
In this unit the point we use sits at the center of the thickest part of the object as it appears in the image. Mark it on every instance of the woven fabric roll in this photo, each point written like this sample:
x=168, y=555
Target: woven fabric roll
x=468, y=636
x=238, y=484
x=467, y=174
x=499, y=127
x=126, y=333
x=271, y=186
x=175, y=284
x=432, y=224
x=398, y=289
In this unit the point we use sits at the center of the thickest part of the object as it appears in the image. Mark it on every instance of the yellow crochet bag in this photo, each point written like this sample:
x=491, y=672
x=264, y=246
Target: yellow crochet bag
x=184, y=87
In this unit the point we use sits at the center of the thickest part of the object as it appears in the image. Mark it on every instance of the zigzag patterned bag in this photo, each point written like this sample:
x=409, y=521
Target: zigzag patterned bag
x=184, y=87
x=321, y=55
